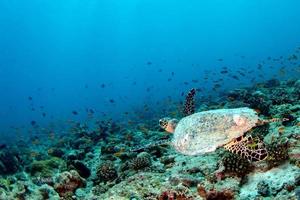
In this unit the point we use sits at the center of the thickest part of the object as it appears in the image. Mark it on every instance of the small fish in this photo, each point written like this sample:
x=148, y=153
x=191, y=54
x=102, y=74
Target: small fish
x=33, y=123
x=44, y=114
x=292, y=57
x=103, y=85
x=220, y=59
x=217, y=86
x=281, y=129
x=259, y=66
x=30, y=98
x=111, y=101
x=91, y=111
x=149, y=63
x=3, y=146
x=241, y=73
x=74, y=112
x=224, y=72
x=235, y=77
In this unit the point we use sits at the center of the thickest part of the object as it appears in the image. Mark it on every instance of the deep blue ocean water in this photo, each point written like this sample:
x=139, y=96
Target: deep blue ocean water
x=59, y=59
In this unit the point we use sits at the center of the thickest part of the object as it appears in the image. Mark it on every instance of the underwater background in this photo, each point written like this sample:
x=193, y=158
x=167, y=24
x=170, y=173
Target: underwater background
x=84, y=83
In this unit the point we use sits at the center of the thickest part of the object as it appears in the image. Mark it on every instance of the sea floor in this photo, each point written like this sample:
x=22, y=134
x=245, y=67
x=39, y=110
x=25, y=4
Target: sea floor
x=106, y=163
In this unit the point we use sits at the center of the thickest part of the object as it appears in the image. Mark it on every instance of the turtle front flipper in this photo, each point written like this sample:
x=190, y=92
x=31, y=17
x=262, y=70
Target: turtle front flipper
x=248, y=147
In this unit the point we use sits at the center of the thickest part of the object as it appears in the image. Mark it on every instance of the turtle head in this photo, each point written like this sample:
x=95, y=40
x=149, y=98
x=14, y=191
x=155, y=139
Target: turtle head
x=168, y=124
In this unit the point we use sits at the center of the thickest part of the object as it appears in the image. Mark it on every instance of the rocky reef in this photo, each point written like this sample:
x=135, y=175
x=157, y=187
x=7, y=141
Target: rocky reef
x=104, y=162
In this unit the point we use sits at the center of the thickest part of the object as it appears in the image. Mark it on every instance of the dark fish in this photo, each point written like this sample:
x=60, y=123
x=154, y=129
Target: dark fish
x=220, y=59
x=241, y=73
x=169, y=79
x=30, y=98
x=195, y=81
x=149, y=63
x=3, y=146
x=74, y=112
x=33, y=123
x=160, y=70
x=224, y=72
x=44, y=114
x=173, y=73
x=198, y=89
x=103, y=85
x=235, y=77
x=185, y=83
x=91, y=111
x=217, y=86
x=112, y=101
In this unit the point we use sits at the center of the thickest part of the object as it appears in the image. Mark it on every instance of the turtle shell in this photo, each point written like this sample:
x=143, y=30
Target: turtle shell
x=203, y=132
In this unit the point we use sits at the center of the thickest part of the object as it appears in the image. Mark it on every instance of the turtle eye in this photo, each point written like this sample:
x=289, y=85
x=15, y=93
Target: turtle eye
x=162, y=122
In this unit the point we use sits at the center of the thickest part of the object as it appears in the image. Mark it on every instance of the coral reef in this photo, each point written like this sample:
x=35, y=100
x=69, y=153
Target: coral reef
x=107, y=171
x=110, y=160
x=189, y=106
x=235, y=164
x=142, y=161
x=9, y=162
x=67, y=182
x=277, y=153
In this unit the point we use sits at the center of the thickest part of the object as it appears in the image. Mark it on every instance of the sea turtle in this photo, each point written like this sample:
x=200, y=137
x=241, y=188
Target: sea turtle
x=204, y=132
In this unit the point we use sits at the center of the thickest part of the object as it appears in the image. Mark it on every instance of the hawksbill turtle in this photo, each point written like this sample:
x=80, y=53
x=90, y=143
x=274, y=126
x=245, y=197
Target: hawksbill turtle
x=204, y=132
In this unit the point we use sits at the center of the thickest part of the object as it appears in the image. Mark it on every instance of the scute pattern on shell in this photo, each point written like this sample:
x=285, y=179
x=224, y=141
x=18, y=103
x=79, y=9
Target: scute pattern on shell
x=203, y=132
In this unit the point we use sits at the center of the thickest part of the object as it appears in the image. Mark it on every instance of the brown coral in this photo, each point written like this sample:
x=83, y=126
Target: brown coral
x=174, y=195
x=215, y=195
x=68, y=182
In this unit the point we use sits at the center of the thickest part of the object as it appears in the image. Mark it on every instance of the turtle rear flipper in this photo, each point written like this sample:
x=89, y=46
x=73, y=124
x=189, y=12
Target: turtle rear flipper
x=247, y=147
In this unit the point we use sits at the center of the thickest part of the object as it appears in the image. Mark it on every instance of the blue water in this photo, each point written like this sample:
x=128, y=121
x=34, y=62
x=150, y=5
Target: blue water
x=117, y=56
